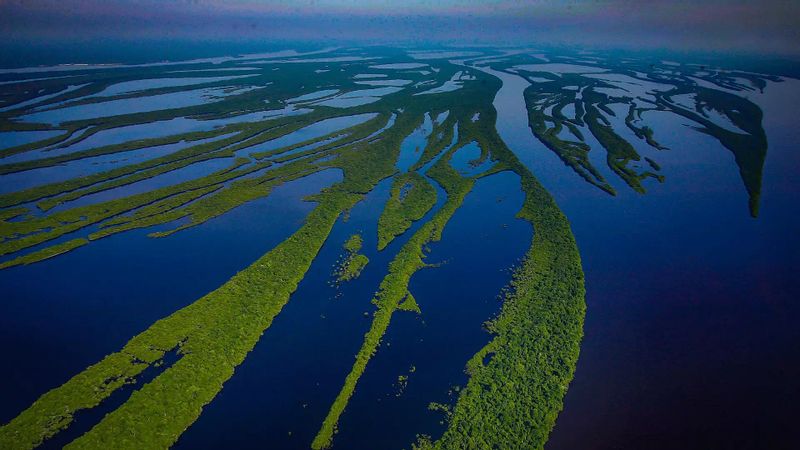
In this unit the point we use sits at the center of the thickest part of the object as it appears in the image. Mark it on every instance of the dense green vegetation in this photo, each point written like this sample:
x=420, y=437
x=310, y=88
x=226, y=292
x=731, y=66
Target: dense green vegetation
x=411, y=197
x=353, y=262
x=749, y=147
x=537, y=335
x=354, y=243
x=45, y=253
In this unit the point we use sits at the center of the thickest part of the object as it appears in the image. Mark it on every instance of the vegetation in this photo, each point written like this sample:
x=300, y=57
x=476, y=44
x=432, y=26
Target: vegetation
x=354, y=243
x=512, y=400
x=45, y=253
x=557, y=273
x=590, y=99
x=393, y=290
x=411, y=197
x=354, y=262
x=212, y=335
x=749, y=147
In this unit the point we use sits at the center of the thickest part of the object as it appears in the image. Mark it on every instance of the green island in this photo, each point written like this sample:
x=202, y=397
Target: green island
x=354, y=262
x=411, y=197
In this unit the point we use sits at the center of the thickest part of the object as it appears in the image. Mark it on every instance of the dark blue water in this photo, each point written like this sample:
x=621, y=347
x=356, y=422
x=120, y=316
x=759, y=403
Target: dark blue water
x=61, y=315
x=10, y=139
x=691, y=333
x=281, y=393
x=477, y=251
x=691, y=336
x=465, y=160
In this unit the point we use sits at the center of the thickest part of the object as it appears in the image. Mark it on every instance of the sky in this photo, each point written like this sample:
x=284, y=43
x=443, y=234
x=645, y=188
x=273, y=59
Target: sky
x=765, y=26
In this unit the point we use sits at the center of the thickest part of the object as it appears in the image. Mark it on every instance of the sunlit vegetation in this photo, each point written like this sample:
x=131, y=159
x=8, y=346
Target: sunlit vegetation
x=354, y=243
x=219, y=314
x=402, y=382
x=353, y=262
x=411, y=197
x=212, y=335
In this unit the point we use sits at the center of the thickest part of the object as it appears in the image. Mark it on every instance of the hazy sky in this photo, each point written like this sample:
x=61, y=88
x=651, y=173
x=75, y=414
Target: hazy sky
x=763, y=26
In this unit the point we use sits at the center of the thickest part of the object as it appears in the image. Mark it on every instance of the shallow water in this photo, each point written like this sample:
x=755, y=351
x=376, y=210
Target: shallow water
x=161, y=128
x=42, y=98
x=87, y=166
x=312, y=131
x=251, y=57
x=141, y=85
x=399, y=66
x=171, y=178
x=313, y=95
x=441, y=54
x=348, y=102
x=560, y=68
x=128, y=106
x=384, y=82
x=374, y=92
